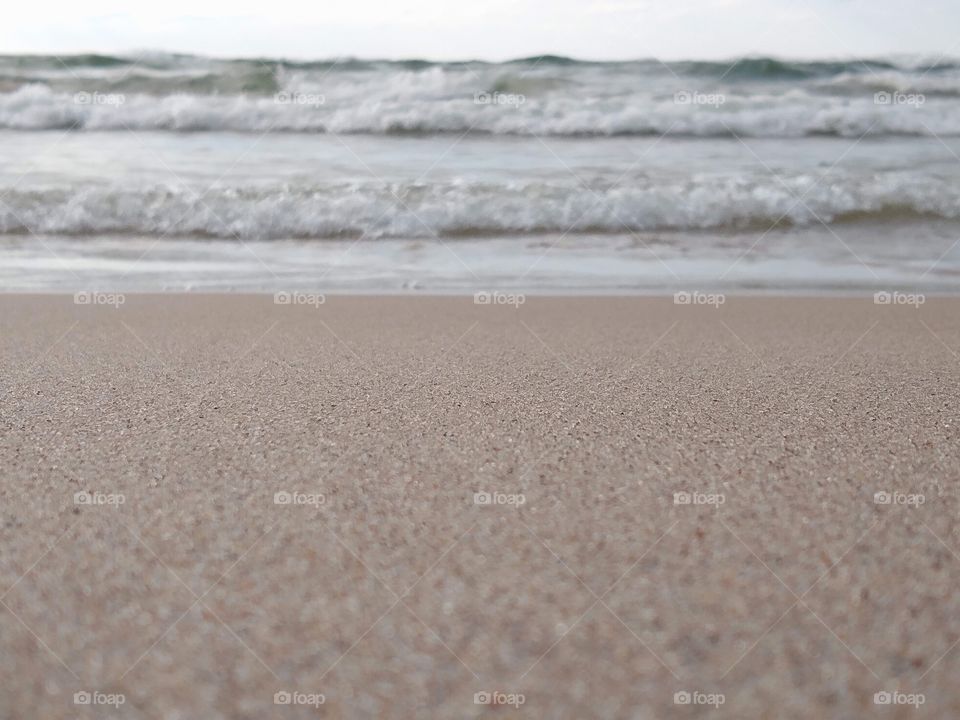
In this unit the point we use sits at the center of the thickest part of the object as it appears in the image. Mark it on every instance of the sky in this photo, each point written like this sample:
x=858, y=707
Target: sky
x=486, y=29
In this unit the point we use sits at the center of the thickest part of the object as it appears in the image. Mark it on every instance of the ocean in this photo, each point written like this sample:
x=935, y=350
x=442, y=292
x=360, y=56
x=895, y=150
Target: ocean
x=170, y=172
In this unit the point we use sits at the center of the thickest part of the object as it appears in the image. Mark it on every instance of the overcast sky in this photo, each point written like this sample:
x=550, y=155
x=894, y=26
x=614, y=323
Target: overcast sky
x=487, y=29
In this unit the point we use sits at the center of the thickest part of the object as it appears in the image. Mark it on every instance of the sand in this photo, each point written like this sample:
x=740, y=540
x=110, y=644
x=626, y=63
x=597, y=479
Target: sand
x=184, y=587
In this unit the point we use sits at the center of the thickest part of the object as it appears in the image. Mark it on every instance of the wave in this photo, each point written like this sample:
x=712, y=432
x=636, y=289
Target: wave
x=541, y=95
x=460, y=209
x=749, y=66
x=253, y=81
x=766, y=68
x=36, y=107
x=87, y=60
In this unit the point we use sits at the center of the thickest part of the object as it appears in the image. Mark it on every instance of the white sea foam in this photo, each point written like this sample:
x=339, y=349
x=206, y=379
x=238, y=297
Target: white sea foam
x=37, y=107
x=420, y=210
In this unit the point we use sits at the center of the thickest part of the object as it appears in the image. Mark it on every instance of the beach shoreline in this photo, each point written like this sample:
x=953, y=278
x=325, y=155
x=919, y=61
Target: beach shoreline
x=399, y=502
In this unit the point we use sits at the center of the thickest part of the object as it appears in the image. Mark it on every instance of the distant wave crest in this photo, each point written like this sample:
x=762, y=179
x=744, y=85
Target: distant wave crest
x=750, y=66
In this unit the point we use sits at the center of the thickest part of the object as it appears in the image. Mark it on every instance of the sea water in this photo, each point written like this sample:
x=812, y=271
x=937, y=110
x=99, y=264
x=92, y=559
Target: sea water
x=163, y=171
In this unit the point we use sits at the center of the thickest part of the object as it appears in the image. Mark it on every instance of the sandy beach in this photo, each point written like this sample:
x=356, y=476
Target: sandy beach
x=581, y=506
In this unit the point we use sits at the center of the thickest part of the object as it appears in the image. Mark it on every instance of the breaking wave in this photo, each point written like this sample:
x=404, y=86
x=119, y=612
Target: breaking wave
x=457, y=209
x=36, y=107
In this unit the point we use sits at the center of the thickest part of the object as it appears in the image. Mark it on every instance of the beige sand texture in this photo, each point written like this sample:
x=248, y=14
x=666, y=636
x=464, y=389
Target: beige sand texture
x=799, y=596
